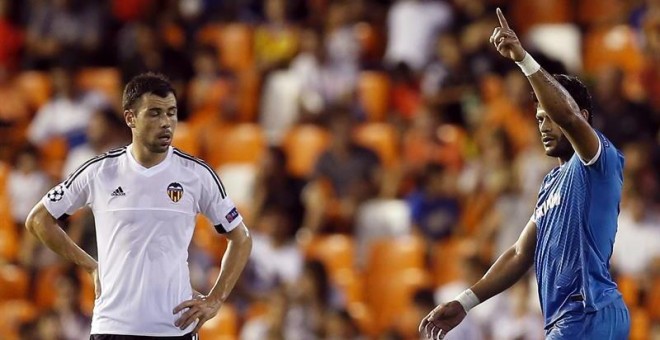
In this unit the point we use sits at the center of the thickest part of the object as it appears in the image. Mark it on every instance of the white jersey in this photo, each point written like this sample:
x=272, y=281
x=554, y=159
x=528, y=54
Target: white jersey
x=145, y=218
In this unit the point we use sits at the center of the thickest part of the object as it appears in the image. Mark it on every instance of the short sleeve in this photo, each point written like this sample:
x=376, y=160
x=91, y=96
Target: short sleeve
x=608, y=160
x=215, y=204
x=68, y=196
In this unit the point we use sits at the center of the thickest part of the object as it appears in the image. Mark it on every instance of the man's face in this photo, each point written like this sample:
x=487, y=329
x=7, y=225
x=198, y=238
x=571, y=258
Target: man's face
x=154, y=122
x=554, y=142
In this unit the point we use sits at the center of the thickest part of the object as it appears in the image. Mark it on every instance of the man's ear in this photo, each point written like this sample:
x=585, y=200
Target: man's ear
x=585, y=114
x=129, y=117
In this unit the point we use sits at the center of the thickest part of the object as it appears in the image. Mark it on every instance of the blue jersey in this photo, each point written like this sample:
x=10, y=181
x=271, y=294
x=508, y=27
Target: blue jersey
x=576, y=218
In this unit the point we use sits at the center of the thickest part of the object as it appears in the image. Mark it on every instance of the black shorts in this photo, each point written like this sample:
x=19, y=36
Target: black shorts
x=189, y=336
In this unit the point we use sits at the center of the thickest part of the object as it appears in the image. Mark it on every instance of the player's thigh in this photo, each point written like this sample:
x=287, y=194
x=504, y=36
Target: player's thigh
x=610, y=323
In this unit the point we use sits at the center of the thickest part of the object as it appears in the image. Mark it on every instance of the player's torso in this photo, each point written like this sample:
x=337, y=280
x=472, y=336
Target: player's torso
x=571, y=259
x=145, y=219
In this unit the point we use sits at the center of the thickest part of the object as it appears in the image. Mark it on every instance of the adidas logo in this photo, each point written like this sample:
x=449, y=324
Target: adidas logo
x=118, y=192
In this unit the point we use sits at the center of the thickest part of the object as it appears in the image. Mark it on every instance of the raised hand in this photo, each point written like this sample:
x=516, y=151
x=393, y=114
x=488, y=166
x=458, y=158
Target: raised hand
x=441, y=320
x=506, y=41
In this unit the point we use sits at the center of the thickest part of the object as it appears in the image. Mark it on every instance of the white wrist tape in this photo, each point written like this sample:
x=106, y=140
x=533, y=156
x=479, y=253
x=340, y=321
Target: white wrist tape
x=467, y=299
x=528, y=65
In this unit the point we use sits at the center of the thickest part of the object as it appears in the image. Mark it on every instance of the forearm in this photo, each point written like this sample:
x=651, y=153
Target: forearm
x=558, y=104
x=506, y=271
x=50, y=234
x=233, y=263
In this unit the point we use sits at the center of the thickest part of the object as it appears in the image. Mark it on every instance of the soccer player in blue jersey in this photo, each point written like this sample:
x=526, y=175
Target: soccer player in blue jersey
x=570, y=235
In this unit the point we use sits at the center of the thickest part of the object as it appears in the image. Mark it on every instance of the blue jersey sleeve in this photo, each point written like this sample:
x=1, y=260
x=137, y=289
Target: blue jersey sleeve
x=608, y=160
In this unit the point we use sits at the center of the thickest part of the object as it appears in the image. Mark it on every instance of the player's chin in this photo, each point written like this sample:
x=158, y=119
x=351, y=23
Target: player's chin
x=551, y=151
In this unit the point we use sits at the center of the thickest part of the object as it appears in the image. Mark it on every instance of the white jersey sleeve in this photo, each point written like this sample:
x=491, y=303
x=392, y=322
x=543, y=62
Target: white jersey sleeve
x=215, y=204
x=70, y=195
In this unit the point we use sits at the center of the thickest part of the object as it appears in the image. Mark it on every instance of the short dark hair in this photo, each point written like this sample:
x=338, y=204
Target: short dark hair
x=578, y=91
x=150, y=82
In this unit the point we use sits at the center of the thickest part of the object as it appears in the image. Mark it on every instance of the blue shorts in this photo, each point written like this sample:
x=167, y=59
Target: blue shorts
x=612, y=322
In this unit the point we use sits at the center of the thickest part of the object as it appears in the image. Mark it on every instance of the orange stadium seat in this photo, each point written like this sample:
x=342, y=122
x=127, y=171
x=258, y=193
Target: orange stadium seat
x=303, y=145
x=186, y=139
x=223, y=326
x=383, y=139
x=86, y=295
x=15, y=313
x=653, y=300
x=36, y=87
x=207, y=238
x=640, y=324
x=336, y=251
x=53, y=154
x=241, y=143
x=9, y=242
x=374, y=94
x=593, y=12
x=45, y=293
x=402, y=258
x=14, y=282
x=612, y=46
x=524, y=14
x=629, y=288
x=235, y=44
x=445, y=264
x=106, y=80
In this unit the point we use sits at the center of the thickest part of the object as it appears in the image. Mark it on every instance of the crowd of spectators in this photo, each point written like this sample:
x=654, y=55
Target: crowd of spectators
x=381, y=151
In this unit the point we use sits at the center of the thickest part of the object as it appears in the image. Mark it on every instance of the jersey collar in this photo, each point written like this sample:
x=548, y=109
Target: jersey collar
x=148, y=171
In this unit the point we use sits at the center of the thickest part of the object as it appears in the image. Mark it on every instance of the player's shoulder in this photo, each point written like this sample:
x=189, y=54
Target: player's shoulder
x=191, y=163
x=95, y=163
x=202, y=169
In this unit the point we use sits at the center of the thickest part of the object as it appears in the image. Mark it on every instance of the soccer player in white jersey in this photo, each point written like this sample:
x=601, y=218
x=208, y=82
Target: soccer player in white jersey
x=145, y=197
x=570, y=236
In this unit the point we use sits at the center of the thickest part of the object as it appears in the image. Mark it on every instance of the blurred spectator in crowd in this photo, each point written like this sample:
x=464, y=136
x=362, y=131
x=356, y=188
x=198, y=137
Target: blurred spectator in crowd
x=638, y=237
x=11, y=36
x=142, y=49
x=346, y=175
x=311, y=298
x=275, y=40
x=106, y=131
x=620, y=119
x=14, y=111
x=406, y=93
x=412, y=27
x=68, y=112
x=26, y=184
x=339, y=325
x=471, y=327
x=518, y=321
x=341, y=45
x=447, y=80
x=276, y=259
x=271, y=324
x=63, y=31
x=324, y=83
x=73, y=322
x=208, y=86
x=276, y=187
x=434, y=205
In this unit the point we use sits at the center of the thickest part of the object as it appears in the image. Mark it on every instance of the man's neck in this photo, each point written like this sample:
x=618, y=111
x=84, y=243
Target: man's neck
x=145, y=157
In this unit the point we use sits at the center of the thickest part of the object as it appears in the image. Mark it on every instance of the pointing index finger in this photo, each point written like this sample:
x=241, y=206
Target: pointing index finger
x=503, y=23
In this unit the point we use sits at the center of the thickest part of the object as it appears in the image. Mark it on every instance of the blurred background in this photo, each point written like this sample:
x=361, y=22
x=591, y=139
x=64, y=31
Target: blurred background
x=382, y=153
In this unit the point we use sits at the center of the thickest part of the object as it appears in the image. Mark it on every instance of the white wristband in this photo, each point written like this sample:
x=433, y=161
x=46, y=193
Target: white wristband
x=528, y=65
x=467, y=299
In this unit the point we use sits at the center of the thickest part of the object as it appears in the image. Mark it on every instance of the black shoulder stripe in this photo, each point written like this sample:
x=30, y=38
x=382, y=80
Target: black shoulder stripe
x=217, y=180
x=109, y=154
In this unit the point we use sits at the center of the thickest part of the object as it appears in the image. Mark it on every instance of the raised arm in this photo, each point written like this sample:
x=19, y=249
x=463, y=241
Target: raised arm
x=552, y=96
x=507, y=270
